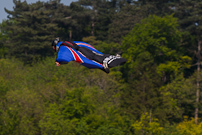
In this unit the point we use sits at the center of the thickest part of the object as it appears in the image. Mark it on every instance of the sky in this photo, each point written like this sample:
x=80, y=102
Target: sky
x=8, y=4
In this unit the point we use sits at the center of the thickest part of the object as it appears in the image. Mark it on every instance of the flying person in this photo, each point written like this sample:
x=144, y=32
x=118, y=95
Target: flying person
x=85, y=54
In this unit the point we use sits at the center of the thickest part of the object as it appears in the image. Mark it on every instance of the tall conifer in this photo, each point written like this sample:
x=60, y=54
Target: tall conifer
x=31, y=29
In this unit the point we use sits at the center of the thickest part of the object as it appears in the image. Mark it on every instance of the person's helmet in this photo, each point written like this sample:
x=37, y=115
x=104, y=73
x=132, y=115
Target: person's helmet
x=55, y=42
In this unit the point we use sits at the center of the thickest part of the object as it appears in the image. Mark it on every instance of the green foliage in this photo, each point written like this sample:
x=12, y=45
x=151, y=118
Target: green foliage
x=45, y=99
x=173, y=96
x=171, y=130
x=3, y=87
x=104, y=47
x=3, y=39
x=37, y=105
x=160, y=8
x=107, y=130
x=24, y=105
x=188, y=12
x=123, y=21
x=55, y=121
x=76, y=110
x=157, y=38
x=169, y=67
x=101, y=14
x=191, y=17
x=188, y=127
x=147, y=125
x=30, y=28
x=154, y=59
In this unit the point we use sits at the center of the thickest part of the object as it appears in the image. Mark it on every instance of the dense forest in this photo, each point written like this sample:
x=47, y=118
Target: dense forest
x=157, y=91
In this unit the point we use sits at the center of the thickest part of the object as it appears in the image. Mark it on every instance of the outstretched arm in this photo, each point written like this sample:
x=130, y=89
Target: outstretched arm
x=57, y=63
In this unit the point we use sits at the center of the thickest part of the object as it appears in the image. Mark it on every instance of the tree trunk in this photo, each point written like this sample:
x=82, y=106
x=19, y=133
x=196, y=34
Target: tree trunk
x=70, y=34
x=198, y=79
x=93, y=25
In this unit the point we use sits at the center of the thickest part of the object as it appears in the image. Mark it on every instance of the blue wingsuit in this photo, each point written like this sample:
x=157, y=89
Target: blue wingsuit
x=86, y=55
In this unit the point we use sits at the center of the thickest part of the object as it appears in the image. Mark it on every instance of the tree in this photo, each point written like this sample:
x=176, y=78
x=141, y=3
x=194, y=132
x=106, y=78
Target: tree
x=189, y=14
x=147, y=125
x=188, y=127
x=3, y=39
x=31, y=30
x=123, y=21
x=177, y=98
x=80, y=21
x=154, y=59
x=101, y=15
x=159, y=39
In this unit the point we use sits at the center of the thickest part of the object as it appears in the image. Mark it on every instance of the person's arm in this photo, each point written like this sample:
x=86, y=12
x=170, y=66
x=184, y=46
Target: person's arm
x=59, y=63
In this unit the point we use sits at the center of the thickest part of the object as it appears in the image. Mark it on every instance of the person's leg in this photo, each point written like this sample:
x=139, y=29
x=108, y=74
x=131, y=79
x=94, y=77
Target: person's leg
x=86, y=52
x=93, y=55
x=100, y=58
x=107, y=60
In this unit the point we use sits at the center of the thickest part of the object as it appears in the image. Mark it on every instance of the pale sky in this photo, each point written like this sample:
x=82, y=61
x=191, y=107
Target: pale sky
x=8, y=4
